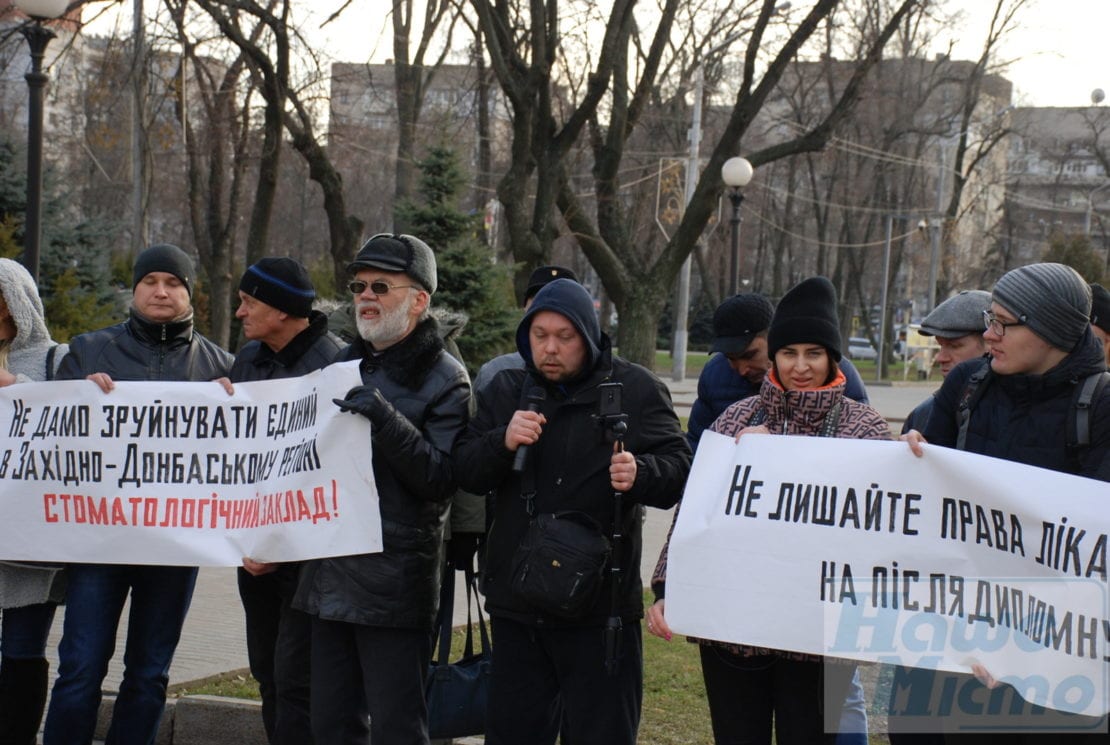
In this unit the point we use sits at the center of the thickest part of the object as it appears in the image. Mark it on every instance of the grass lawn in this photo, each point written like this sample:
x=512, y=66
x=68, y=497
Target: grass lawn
x=675, y=711
x=695, y=361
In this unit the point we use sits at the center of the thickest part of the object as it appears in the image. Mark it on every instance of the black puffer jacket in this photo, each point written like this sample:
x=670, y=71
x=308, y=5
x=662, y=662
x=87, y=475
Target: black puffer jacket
x=1024, y=418
x=310, y=350
x=140, y=349
x=571, y=467
x=430, y=393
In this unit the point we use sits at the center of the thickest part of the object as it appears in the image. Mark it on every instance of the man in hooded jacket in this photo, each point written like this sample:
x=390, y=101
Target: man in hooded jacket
x=550, y=672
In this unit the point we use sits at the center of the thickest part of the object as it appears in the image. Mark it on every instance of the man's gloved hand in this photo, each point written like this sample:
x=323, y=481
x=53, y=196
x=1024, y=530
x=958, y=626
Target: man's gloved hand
x=368, y=401
x=461, y=549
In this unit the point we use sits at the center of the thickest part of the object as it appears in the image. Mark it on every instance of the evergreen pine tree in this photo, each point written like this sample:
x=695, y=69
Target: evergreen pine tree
x=469, y=280
x=74, y=275
x=1077, y=252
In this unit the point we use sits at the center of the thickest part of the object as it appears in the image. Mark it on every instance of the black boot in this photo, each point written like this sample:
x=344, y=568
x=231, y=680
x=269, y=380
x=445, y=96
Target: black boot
x=22, y=699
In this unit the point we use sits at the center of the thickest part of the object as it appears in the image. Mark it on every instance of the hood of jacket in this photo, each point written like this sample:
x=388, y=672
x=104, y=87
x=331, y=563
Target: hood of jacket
x=22, y=298
x=570, y=300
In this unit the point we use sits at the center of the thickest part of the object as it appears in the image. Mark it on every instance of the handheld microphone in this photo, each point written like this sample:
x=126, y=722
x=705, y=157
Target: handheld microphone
x=536, y=397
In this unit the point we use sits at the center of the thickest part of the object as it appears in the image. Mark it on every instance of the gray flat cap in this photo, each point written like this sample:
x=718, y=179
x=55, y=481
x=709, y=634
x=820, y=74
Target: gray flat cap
x=958, y=316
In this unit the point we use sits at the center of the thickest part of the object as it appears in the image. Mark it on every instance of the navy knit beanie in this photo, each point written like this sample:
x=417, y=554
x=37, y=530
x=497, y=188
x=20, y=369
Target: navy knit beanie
x=806, y=315
x=1051, y=299
x=281, y=283
x=164, y=257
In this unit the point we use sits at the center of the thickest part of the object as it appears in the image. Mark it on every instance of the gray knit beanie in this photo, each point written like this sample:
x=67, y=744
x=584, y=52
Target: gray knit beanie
x=1052, y=300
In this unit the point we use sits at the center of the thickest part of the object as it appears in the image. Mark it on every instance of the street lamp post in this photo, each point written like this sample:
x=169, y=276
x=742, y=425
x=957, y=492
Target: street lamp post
x=736, y=173
x=1090, y=207
x=38, y=36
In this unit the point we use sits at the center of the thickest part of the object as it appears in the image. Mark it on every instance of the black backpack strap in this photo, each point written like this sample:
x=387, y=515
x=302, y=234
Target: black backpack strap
x=50, y=361
x=973, y=391
x=832, y=419
x=759, y=417
x=1079, y=415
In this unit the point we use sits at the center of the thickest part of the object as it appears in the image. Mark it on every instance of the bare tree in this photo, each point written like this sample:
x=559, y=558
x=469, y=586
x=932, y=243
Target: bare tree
x=524, y=48
x=637, y=287
x=269, y=78
x=411, y=78
x=297, y=111
x=217, y=150
x=971, y=152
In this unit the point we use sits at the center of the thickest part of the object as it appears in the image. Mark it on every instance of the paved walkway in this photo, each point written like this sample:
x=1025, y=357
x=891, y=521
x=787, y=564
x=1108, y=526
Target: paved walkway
x=213, y=639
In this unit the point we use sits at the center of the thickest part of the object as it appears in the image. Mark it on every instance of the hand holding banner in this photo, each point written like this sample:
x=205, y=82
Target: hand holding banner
x=183, y=474
x=858, y=549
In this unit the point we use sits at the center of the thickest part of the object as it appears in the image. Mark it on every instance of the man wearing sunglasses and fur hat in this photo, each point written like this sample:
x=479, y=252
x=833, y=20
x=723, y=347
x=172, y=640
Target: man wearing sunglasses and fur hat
x=373, y=614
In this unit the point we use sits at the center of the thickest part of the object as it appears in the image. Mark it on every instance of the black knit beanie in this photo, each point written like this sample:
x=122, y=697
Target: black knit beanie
x=280, y=282
x=164, y=257
x=806, y=315
x=1053, y=300
x=543, y=275
x=738, y=320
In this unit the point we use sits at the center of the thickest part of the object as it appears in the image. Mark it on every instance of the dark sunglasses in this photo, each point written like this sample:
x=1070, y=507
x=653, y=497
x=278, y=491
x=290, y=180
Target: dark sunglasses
x=378, y=286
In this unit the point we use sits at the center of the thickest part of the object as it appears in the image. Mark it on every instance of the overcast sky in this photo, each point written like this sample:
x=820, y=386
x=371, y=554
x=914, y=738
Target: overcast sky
x=1060, y=50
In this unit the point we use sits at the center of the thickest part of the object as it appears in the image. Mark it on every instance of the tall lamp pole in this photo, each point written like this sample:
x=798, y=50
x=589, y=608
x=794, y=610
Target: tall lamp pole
x=736, y=173
x=1090, y=208
x=38, y=36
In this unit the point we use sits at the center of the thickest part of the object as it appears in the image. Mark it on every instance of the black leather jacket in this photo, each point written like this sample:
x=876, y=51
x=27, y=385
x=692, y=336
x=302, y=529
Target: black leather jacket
x=140, y=349
x=429, y=392
x=308, y=351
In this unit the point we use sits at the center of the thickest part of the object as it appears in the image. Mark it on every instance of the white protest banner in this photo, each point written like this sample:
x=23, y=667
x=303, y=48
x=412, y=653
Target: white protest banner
x=858, y=549
x=183, y=474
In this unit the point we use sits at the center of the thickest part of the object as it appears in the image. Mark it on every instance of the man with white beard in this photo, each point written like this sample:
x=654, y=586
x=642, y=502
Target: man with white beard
x=373, y=614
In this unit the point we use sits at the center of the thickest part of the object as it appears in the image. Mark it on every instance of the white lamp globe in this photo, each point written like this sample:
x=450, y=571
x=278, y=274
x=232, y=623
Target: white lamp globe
x=737, y=172
x=42, y=8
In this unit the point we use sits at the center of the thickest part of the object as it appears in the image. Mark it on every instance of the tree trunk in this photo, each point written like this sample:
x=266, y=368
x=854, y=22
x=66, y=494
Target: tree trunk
x=258, y=232
x=343, y=228
x=639, y=314
x=406, y=84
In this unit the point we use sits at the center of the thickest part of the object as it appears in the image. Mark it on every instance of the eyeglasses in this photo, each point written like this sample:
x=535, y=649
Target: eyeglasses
x=378, y=287
x=997, y=327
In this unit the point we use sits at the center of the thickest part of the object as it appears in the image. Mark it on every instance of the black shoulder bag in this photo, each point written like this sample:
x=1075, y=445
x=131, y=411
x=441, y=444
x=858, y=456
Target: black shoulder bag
x=558, y=568
x=456, y=692
x=559, y=565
